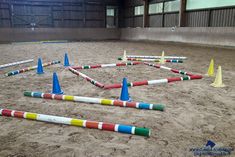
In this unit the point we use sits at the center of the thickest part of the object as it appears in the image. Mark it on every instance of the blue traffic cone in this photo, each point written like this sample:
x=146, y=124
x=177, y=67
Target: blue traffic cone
x=56, y=85
x=124, y=94
x=66, y=60
x=40, y=67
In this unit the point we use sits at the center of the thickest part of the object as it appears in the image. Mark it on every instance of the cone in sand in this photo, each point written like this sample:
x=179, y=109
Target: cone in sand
x=66, y=60
x=210, y=71
x=40, y=67
x=56, y=85
x=162, y=60
x=124, y=93
x=124, y=58
x=218, y=79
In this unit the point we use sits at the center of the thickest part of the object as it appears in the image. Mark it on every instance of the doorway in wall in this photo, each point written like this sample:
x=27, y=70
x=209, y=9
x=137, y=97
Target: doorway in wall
x=111, y=16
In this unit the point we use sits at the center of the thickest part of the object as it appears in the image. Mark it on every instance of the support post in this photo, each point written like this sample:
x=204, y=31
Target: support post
x=182, y=13
x=209, y=18
x=163, y=14
x=84, y=12
x=146, y=16
x=11, y=14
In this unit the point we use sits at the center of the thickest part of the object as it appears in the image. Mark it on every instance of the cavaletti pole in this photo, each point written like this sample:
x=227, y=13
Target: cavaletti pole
x=92, y=81
x=108, y=102
x=15, y=63
x=30, y=68
x=151, y=82
x=186, y=75
x=169, y=69
x=105, y=65
x=127, y=129
x=153, y=60
x=156, y=57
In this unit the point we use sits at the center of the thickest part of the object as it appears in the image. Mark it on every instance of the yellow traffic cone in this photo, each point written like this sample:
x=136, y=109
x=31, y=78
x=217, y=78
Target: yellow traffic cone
x=210, y=71
x=162, y=60
x=218, y=79
x=124, y=58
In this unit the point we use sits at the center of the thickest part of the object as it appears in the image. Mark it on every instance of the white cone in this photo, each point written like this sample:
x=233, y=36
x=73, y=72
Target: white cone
x=162, y=60
x=124, y=58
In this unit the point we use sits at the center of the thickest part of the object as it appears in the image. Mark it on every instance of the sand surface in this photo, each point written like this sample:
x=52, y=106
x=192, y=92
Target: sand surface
x=195, y=112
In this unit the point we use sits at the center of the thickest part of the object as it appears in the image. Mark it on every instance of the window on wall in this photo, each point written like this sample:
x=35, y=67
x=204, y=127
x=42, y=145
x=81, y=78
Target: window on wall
x=110, y=12
x=155, y=8
x=139, y=10
x=202, y=4
x=172, y=6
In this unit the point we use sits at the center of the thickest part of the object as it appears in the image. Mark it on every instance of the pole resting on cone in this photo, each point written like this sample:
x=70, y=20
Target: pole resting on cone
x=106, y=102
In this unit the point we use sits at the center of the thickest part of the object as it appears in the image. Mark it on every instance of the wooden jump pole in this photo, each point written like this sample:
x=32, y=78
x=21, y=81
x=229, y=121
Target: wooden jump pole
x=92, y=81
x=157, y=57
x=151, y=82
x=186, y=75
x=105, y=65
x=127, y=129
x=15, y=63
x=153, y=60
x=30, y=68
x=109, y=102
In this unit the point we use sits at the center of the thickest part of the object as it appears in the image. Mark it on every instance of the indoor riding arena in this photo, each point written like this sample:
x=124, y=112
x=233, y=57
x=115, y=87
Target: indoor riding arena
x=122, y=78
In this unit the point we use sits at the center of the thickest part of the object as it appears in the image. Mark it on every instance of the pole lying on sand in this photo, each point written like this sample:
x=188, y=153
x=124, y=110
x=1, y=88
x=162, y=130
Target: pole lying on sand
x=186, y=75
x=153, y=60
x=105, y=65
x=127, y=129
x=15, y=63
x=30, y=68
x=157, y=57
x=94, y=82
x=138, y=105
x=151, y=82
x=169, y=69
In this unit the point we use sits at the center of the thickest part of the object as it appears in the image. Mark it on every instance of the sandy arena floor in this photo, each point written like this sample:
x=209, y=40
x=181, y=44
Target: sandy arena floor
x=195, y=112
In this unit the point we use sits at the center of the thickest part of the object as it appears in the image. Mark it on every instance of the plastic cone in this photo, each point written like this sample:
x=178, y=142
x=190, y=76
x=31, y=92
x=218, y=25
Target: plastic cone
x=40, y=67
x=124, y=58
x=218, y=79
x=124, y=93
x=56, y=85
x=66, y=60
x=162, y=60
x=210, y=71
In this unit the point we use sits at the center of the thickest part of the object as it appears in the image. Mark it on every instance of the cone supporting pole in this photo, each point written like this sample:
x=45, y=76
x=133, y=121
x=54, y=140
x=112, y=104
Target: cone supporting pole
x=56, y=85
x=162, y=60
x=66, y=60
x=127, y=129
x=124, y=58
x=106, y=102
x=210, y=71
x=218, y=79
x=30, y=68
x=40, y=67
x=124, y=92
